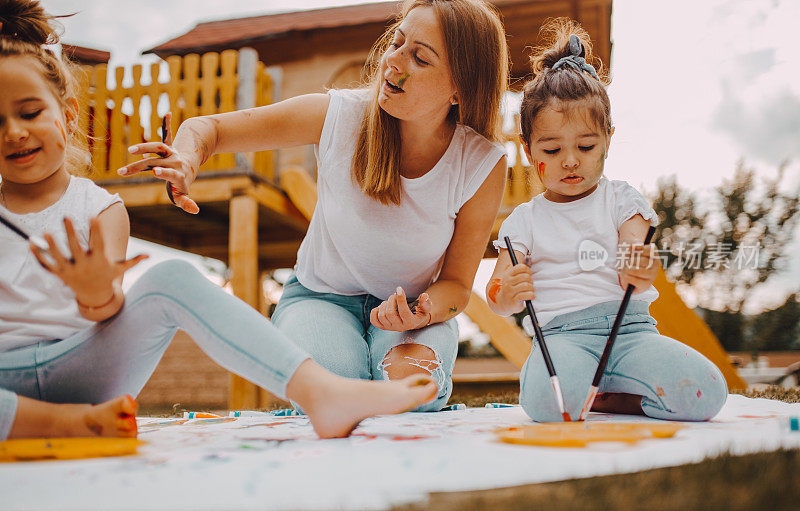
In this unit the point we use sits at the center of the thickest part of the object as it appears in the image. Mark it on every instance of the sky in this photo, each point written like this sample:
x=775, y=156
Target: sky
x=696, y=85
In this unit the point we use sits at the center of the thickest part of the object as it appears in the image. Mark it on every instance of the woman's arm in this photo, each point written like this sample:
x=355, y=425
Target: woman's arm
x=450, y=293
x=293, y=122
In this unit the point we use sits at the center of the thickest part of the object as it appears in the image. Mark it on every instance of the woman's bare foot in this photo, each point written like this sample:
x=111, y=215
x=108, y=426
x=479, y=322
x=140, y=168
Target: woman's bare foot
x=336, y=405
x=616, y=402
x=38, y=419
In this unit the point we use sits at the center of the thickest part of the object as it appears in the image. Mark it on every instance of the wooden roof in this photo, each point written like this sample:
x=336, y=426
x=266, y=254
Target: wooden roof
x=292, y=36
x=83, y=55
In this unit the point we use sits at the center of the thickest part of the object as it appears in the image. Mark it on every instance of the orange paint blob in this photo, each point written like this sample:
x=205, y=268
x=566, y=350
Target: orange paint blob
x=659, y=392
x=61, y=130
x=494, y=288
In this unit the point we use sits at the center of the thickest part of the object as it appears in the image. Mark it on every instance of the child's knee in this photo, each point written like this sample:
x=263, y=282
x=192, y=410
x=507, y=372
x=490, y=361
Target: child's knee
x=538, y=401
x=169, y=273
x=693, y=399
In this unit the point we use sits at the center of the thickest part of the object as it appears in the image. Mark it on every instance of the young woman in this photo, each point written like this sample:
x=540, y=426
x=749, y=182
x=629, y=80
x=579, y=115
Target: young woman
x=410, y=178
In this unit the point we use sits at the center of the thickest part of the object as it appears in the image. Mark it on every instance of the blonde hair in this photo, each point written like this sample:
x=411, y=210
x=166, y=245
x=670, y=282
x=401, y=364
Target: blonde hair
x=564, y=85
x=478, y=58
x=26, y=28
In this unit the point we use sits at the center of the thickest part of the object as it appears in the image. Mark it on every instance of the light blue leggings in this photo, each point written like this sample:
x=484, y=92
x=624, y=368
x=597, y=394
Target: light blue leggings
x=676, y=382
x=117, y=356
x=336, y=331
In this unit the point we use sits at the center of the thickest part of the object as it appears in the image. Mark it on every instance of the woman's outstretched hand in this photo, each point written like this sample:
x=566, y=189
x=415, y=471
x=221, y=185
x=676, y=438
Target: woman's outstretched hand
x=397, y=315
x=168, y=164
x=88, y=273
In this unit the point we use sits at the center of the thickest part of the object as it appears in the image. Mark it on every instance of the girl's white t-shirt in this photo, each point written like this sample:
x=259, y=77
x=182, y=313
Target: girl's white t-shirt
x=35, y=305
x=355, y=244
x=573, y=247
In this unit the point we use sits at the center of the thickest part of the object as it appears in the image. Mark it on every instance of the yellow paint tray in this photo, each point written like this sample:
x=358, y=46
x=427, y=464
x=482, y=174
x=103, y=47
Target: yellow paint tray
x=33, y=449
x=579, y=434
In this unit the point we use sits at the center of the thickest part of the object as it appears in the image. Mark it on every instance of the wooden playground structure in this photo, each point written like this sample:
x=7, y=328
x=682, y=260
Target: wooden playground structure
x=255, y=209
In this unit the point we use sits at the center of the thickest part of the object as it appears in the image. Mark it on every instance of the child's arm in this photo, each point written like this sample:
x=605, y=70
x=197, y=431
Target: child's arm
x=641, y=265
x=510, y=285
x=94, y=275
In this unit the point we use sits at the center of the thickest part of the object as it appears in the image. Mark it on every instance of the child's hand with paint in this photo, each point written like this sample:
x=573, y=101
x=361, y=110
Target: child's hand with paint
x=637, y=264
x=396, y=314
x=510, y=285
x=91, y=275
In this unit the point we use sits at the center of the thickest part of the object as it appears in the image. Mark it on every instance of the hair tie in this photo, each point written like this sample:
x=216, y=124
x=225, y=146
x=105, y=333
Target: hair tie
x=576, y=59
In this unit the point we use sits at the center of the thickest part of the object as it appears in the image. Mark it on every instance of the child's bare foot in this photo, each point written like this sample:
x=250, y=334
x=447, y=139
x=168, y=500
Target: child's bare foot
x=38, y=419
x=336, y=405
x=615, y=402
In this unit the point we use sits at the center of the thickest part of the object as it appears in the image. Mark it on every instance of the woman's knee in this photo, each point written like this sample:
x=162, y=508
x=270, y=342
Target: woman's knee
x=408, y=359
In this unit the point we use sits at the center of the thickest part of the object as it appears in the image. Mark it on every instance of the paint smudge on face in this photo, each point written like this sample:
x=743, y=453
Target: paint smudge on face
x=61, y=130
x=402, y=80
x=659, y=391
x=453, y=309
x=539, y=168
x=699, y=393
x=494, y=289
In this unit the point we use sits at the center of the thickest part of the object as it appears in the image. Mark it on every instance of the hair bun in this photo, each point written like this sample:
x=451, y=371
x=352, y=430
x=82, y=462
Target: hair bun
x=26, y=20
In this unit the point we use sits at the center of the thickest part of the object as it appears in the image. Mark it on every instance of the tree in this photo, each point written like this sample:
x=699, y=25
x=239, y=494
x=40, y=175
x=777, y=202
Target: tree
x=721, y=250
x=725, y=249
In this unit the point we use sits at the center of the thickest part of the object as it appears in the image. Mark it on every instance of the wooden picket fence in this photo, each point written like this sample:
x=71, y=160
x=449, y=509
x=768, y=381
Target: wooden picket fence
x=119, y=116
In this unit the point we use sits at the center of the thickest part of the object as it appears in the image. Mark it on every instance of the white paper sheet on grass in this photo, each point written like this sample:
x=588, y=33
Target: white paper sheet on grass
x=278, y=463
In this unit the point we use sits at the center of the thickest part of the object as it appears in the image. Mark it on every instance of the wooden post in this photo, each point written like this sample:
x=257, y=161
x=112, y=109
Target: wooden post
x=246, y=68
x=243, y=262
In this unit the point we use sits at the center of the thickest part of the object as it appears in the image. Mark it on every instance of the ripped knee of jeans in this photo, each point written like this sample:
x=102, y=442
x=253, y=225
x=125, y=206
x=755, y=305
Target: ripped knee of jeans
x=410, y=358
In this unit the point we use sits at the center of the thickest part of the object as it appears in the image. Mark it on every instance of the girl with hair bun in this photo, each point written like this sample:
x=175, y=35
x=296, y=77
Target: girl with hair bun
x=68, y=333
x=566, y=132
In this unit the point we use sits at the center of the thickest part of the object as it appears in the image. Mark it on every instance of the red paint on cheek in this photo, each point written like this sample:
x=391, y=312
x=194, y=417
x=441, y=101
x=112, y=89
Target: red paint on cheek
x=61, y=130
x=494, y=288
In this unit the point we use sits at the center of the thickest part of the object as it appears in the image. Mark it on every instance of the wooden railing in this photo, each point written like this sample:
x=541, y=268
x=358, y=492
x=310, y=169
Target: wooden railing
x=118, y=116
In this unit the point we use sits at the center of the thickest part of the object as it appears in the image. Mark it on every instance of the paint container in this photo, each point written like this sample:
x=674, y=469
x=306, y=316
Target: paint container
x=286, y=412
x=200, y=415
x=454, y=407
x=499, y=405
x=249, y=413
x=790, y=424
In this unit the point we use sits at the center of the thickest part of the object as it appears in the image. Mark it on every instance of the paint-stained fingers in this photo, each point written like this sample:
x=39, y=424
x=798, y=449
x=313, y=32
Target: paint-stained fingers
x=124, y=266
x=375, y=320
x=43, y=260
x=55, y=253
x=152, y=148
x=74, y=245
x=403, y=310
x=390, y=313
x=140, y=166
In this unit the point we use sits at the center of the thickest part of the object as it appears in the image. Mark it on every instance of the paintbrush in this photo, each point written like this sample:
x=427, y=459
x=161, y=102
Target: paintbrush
x=542, y=345
x=601, y=366
x=37, y=241
x=164, y=154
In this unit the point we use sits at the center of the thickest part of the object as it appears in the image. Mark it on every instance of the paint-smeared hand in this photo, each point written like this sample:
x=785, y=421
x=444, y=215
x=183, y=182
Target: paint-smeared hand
x=178, y=169
x=396, y=313
x=510, y=287
x=639, y=266
x=89, y=273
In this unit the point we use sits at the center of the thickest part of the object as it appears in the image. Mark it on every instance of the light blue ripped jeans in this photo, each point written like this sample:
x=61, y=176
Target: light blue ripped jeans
x=675, y=381
x=117, y=356
x=336, y=331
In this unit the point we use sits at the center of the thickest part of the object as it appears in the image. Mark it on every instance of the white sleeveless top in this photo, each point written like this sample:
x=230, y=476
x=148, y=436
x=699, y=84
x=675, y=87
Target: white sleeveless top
x=573, y=247
x=35, y=305
x=355, y=244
